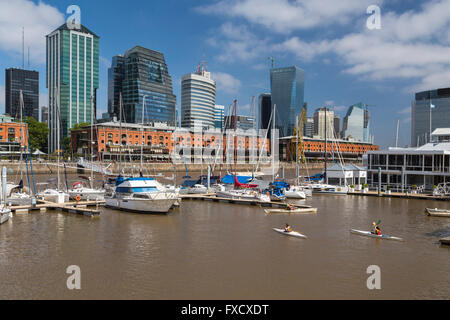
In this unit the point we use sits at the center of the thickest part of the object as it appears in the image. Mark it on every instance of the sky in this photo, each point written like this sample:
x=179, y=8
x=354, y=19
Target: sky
x=345, y=62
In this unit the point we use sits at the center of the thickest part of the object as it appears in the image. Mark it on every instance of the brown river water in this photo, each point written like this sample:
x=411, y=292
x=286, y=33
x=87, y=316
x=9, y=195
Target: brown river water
x=206, y=250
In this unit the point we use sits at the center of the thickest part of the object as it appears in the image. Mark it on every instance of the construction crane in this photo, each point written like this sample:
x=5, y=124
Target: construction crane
x=298, y=147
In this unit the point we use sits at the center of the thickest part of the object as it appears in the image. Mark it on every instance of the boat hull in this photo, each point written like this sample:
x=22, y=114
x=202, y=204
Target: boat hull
x=5, y=215
x=291, y=234
x=97, y=195
x=437, y=213
x=159, y=206
x=371, y=235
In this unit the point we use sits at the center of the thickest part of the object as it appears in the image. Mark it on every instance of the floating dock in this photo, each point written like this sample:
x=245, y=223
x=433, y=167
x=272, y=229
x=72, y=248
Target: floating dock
x=401, y=195
x=81, y=208
x=212, y=197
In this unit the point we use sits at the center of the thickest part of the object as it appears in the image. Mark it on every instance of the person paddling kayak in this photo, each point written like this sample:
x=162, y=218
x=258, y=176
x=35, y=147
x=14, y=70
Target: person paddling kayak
x=290, y=207
x=376, y=229
x=288, y=228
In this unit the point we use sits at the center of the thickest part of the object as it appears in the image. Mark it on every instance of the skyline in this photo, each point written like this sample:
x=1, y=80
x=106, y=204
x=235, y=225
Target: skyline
x=344, y=62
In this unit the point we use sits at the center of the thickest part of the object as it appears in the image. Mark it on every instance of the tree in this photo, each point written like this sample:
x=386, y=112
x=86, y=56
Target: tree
x=37, y=135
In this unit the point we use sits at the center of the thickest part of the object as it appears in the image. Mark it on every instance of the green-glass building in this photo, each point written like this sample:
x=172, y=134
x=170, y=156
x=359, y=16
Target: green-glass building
x=72, y=79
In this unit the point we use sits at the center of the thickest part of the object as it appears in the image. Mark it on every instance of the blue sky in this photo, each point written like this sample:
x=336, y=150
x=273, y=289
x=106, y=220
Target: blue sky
x=344, y=61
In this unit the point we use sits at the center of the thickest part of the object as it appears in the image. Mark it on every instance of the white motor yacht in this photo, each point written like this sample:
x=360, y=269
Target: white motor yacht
x=141, y=195
x=86, y=194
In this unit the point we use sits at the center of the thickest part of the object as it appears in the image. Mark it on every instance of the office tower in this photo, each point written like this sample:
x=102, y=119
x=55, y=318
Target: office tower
x=422, y=112
x=337, y=126
x=265, y=111
x=44, y=115
x=308, y=130
x=219, y=117
x=116, y=74
x=356, y=124
x=28, y=82
x=288, y=89
x=140, y=75
x=319, y=123
x=72, y=79
x=198, y=99
x=243, y=122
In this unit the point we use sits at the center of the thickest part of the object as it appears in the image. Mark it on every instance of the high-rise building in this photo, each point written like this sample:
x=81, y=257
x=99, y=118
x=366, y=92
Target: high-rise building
x=72, y=79
x=142, y=74
x=288, y=90
x=219, y=117
x=265, y=111
x=44, y=115
x=337, y=126
x=28, y=82
x=356, y=124
x=429, y=108
x=116, y=75
x=308, y=131
x=198, y=99
x=322, y=117
x=243, y=122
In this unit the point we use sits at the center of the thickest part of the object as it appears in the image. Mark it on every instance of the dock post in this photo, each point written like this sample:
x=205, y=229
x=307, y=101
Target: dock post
x=379, y=181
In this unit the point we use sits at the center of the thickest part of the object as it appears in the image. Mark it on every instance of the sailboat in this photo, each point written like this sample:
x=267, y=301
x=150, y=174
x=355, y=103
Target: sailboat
x=56, y=195
x=5, y=212
x=81, y=191
x=141, y=195
x=241, y=191
x=324, y=187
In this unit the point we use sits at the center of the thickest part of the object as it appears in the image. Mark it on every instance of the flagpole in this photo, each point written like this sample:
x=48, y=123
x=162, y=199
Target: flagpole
x=431, y=128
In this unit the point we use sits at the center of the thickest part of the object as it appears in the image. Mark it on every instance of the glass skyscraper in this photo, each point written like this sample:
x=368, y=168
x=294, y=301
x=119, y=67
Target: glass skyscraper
x=72, y=79
x=420, y=119
x=142, y=74
x=115, y=79
x=198, y=99
x=219, y=117
x=288, y=92
x=28, y=82
x=356, y=124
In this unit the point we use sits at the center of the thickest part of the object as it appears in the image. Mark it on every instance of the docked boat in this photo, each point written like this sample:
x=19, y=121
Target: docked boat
x=320, y=188
x=371, y=235
x=244, y=194
x=294, y=211
x=437, y=213
x=82, y=192
x=291, y=234
x=198, y=189
x=141, y=195
x=54, y=195
x=5, y=214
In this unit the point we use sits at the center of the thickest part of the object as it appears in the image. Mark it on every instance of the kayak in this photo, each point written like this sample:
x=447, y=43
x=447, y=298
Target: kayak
x=298, y=210
x=370, y=234
x=292, y=234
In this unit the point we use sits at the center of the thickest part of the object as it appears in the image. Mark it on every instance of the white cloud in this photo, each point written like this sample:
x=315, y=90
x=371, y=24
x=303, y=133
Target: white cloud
x=105, y=61
x=226, y=82
x=409, y=46
x=237, y=43
x=284, y=16
x=37, y=19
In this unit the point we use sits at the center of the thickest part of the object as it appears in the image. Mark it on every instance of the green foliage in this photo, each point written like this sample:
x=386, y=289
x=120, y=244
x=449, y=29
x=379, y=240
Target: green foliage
x=37, y=135
x=79, y=126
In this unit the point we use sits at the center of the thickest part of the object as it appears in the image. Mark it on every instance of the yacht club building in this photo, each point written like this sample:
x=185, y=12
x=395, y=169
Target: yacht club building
x=401, y=168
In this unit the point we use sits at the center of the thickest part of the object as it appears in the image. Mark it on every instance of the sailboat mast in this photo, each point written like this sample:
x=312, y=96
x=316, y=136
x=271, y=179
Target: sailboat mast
x=235, y=138
x=296, y=154
x=273, y=140
x=120, y=139
x=326, y=145
x=92, y=142
x=142, y=131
